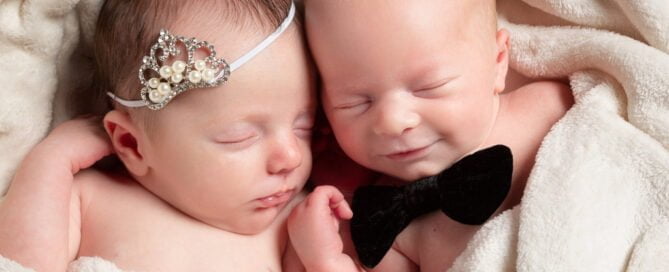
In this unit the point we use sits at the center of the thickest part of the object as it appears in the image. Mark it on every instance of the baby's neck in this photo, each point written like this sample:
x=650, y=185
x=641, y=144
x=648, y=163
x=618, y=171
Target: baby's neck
x=497, y=109
x=510, y=130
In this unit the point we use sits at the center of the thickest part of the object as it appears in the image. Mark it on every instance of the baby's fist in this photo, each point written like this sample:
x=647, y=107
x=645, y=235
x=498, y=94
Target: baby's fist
x=313, y=227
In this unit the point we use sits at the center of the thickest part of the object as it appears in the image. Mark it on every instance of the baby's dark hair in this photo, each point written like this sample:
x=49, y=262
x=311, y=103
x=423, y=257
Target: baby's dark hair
x=126, y=29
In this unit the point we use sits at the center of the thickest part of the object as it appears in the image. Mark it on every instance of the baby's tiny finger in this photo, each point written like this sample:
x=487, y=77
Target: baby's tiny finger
x=343, y=210
x=324, y=195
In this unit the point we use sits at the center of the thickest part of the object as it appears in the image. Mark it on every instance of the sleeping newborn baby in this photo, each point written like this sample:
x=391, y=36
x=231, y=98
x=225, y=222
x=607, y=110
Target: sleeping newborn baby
x=409, y=88
x=216, y=154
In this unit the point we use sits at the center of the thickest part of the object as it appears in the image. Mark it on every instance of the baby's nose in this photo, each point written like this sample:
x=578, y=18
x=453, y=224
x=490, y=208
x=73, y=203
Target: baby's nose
x=285, y=156
x=394, y=119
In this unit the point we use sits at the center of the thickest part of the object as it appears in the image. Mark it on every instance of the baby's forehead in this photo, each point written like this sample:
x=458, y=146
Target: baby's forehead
x=432, y=14
x=232, y=26
x=228, y=42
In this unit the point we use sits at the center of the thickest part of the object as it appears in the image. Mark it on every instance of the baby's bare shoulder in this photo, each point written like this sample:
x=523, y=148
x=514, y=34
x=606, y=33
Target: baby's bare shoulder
x=548, y=100
x=95, y=178
x=92, y=175
x=92, y=182
x=100, y=191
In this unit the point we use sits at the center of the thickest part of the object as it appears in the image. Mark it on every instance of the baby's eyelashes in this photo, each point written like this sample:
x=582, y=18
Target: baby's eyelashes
x=239, y=142
x=304, y=125
x=433, y=90
x=350, y=105
x=428, y=93
x=234, y=140
x=304, y=133
x=238, y=136
x=358, y=106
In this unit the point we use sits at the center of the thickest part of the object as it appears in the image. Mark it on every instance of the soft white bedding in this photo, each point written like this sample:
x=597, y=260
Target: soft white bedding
x=83, y=264
x=44, y=52
x=598, y=196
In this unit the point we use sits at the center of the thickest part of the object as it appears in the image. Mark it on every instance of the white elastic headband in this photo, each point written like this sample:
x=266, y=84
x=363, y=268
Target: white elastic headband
x=182, y=76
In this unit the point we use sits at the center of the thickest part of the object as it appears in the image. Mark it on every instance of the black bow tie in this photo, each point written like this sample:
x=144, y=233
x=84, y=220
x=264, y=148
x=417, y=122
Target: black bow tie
x=469, y=192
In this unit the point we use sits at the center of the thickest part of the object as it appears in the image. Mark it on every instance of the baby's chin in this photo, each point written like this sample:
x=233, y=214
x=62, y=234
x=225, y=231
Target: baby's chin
x=250, y=223
x=415, y=171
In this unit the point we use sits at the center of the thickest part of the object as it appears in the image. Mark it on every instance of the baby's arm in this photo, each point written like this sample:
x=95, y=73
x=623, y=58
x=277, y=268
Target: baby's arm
x=315, y=237
x=35, y=216
x=313, y=227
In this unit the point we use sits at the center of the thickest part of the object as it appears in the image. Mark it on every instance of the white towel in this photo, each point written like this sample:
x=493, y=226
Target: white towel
x=598, y=196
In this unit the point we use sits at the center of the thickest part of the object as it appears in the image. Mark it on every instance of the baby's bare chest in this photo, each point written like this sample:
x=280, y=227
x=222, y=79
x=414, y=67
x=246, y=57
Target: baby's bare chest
x=139, y=233
x=434, y=241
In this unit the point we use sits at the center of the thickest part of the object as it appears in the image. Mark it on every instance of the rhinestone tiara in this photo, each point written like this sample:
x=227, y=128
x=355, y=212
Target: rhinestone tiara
x=169, y=80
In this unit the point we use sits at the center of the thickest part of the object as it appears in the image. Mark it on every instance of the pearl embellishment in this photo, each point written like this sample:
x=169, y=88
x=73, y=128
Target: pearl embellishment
x=200, y=65
x=164, y=88
x=177, y=77
x=178, y=66
x=153, y=82
x=195, y=76
x=169, y=70
x=165, y=71
x=208, y=74
x=155, y=97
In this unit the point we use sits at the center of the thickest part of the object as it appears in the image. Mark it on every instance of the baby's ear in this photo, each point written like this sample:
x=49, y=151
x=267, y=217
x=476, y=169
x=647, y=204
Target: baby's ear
x=502, y=59
x=126, y=141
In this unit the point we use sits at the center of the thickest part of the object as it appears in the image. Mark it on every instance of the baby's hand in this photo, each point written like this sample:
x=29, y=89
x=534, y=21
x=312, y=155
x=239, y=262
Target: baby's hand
x=78, y=142
x=313, y=227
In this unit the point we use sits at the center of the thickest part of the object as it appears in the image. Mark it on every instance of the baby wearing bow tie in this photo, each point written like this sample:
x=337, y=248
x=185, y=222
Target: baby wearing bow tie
x=410, y=88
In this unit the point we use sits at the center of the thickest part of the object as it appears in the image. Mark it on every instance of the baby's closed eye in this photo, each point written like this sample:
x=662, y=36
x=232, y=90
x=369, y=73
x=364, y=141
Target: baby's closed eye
x=304, y=125
x=353, y=106
x=237, y=135
x=435, y=89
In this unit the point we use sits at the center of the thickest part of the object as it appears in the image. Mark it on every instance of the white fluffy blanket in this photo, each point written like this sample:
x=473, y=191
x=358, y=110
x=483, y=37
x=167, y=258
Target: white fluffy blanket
x=598, y=197
x=83, y=264
x=44, y=52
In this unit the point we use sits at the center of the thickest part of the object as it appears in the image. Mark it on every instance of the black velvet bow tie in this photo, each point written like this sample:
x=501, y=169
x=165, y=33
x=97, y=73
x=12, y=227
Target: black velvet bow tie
x=469, y=192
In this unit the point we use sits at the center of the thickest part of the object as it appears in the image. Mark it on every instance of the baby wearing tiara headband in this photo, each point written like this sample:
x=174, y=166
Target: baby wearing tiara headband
x=412, y=89
x=217, y=153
